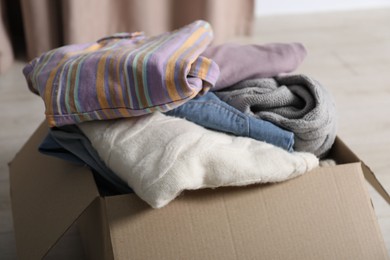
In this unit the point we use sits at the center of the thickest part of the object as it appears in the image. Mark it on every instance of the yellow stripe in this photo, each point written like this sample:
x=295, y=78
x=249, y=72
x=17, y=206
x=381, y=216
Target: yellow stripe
x=72, y=87
x=204, y=68
x=100, y=87
x=115, y=88
x=101, y=95
x=118, y=90
x=170, y=69
x=49, y=82
x=183, y=81
x=118, y=75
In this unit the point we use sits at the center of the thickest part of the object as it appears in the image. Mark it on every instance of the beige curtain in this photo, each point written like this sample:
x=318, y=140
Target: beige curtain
x=6, y=53
x=52, y=23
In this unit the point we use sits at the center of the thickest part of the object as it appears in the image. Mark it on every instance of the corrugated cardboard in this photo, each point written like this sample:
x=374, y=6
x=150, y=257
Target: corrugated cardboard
x=47, y=196
x=325, y=214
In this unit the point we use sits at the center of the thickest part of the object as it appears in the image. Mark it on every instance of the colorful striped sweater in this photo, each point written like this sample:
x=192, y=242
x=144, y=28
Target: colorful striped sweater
x=123, y=75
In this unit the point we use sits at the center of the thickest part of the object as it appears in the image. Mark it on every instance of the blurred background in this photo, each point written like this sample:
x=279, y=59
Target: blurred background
x=348, y=43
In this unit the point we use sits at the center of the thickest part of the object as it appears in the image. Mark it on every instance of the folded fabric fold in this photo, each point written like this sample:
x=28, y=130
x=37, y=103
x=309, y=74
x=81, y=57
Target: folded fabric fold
x=159, y=156
x=123, y=75
x=241, y=62
x=297, y=103
x=211, y=112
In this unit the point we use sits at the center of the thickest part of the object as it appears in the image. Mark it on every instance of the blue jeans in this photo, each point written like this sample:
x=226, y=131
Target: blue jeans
x=211, y=112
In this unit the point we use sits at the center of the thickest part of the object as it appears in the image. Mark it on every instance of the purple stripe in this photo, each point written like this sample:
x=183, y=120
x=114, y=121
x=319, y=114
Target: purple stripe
x=129, y=90
x=125, y=97
x=198, y=65
x=63, y=92
x=149, y=59
x=87, y=90
x=110, y=99
x=179, y=73
x=158, y=89
x=106, y=86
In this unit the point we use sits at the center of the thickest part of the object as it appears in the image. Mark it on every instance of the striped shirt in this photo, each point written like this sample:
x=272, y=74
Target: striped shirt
x=123, y=75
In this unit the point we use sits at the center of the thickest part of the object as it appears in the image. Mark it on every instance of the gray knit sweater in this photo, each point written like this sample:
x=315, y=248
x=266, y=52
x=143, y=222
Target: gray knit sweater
x=294, y=102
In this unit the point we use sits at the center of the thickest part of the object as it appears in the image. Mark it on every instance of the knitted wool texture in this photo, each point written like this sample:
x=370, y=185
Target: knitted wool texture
x=294, y=102
x=160, y=156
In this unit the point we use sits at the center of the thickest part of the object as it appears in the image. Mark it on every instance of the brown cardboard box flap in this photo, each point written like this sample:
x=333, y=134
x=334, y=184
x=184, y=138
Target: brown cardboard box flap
x=48, y=195
x=325, y=214
x=345, y=155
x=94, y=231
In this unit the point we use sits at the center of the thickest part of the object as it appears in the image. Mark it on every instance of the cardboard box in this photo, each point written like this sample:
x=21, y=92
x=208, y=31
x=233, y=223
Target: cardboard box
x=325, y=214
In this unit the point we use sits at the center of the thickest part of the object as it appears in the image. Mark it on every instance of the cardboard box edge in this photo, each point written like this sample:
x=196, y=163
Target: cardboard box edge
x=18, y=184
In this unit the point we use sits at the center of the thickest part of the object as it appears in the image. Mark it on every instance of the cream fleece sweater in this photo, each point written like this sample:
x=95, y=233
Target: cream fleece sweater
x=160, y=156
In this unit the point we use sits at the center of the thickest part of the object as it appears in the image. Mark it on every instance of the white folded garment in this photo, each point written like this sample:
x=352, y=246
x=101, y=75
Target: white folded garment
x=160, y=156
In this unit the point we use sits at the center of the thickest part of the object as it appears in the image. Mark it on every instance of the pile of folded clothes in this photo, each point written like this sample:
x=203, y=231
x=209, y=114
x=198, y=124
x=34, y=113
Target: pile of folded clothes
x=160, y=115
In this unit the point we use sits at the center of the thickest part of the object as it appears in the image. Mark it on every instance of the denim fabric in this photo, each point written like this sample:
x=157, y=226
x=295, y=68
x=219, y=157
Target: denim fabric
x=49, y=146
x=211, y=112
x=69, y=143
